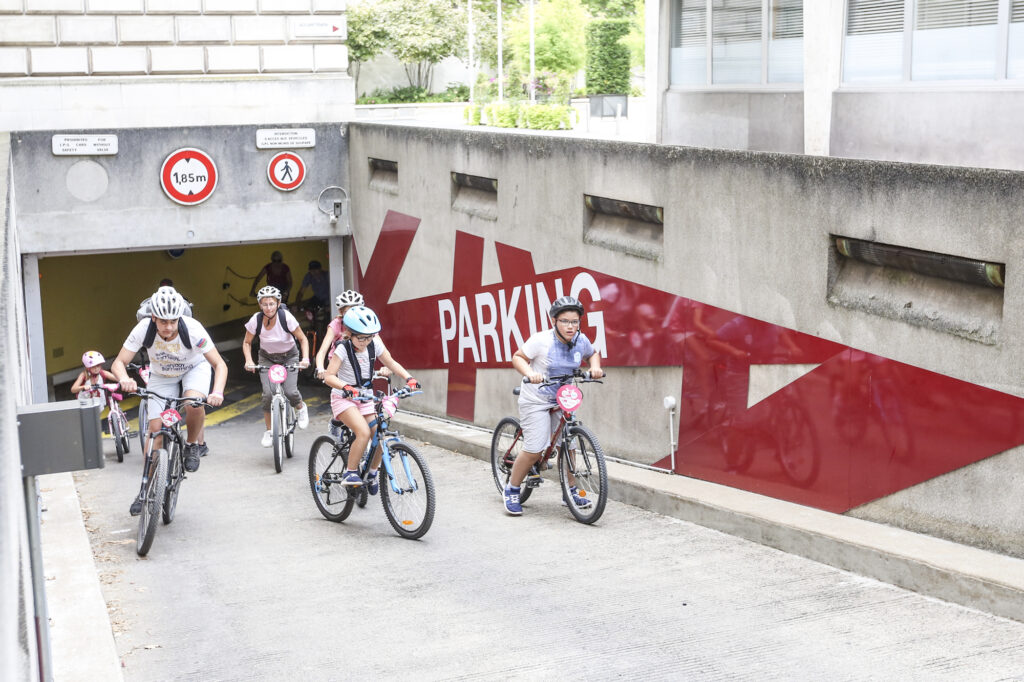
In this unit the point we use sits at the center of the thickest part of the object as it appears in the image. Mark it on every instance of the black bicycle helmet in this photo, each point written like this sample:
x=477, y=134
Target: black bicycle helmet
x=564, y=303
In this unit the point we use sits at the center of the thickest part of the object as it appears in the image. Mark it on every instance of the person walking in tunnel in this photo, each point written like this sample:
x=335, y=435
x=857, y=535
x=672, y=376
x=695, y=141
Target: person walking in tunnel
x=319, y=283
x=552, y=352
x=281, y=339
x=182, y=358
x=278, y=275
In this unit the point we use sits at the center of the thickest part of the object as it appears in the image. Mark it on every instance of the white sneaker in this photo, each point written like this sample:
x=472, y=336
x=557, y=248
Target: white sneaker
x=302, y=417
x=268, y=439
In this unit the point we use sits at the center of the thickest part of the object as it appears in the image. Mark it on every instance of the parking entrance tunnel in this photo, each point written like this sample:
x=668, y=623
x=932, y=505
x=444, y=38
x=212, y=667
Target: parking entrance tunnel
x=89, y=302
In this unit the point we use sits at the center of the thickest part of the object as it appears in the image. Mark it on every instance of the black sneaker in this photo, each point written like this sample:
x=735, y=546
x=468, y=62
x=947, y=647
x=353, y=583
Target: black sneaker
x=136, y=507
x=203, y=450
x=191, y=457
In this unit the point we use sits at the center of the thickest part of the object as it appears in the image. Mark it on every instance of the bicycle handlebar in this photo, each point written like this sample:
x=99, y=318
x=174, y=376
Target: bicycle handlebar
x=583, y=376
x=264, y=368
x=180, y=400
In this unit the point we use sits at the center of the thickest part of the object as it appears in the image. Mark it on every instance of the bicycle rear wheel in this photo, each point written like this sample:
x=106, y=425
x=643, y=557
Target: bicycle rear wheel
x=506, y=444
x=277, y=432
x=410, y=508
x=326, y=464
x=116, y=434
x=126, y=441
x=174, y=478
x=152, y=501
x=582, y=457
x=289, y=429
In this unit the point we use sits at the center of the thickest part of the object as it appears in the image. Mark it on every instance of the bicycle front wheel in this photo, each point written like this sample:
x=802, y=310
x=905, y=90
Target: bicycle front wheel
x=116, y=434
x=289, y=438
x=277, y=432
x=174, y=478
x=326, y=465
x=582, y=460
x=152, y=501
x=143, y=424
x=408, y=497
x=506, y=444
x=122, y=426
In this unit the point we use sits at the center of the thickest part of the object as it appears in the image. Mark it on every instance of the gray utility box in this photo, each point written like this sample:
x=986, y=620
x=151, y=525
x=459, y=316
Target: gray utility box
x=61, y=436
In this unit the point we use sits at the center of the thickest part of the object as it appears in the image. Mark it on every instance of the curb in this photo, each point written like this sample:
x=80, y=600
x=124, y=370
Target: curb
x=81, y=639
x=964, y=575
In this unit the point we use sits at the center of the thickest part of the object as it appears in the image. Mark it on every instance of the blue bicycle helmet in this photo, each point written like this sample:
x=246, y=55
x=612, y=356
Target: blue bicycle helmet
x=361, y=320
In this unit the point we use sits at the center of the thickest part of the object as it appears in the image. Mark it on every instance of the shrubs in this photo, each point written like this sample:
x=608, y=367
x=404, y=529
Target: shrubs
x=410, y=94
x=607, y=57
x=521, y=115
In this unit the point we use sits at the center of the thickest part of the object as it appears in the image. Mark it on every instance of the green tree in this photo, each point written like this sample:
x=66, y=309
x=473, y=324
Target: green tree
x=559, y=42
x=367, y=37
x=422, y=33
x=611, y=9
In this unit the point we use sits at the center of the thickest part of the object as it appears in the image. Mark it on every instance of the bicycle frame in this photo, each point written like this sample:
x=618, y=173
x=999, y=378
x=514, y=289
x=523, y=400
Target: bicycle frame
x=380, y=436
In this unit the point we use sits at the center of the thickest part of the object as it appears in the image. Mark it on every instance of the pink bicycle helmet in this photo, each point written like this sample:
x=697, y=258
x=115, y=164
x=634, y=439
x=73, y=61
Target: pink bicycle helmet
x=91, y=358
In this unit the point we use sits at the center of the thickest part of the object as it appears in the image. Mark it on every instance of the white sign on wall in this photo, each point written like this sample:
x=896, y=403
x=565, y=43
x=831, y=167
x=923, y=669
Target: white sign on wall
x=84, y=145
x=285, y=138
x=319, y=27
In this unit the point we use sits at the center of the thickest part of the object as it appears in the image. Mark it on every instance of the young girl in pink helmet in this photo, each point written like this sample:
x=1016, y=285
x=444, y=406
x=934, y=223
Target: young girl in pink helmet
x=91, y=376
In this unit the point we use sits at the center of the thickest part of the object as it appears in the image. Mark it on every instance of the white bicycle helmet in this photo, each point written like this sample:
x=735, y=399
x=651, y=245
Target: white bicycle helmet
x=266, y=291
x=348, y=297
x=168, y=304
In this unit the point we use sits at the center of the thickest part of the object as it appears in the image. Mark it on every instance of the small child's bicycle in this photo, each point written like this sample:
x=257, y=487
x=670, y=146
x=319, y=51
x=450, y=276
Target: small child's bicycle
x=580, y=459
x=406, y=486
x=117, y=422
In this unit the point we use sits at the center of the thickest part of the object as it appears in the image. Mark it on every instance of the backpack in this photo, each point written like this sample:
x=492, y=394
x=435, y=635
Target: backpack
x=186, y=340
x=360, y=382
x=281, y=320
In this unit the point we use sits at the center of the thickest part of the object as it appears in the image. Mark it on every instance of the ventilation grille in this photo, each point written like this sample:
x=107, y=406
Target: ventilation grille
x=383, y=175
x=625, y=209
x=952, y=268
x=475, y=182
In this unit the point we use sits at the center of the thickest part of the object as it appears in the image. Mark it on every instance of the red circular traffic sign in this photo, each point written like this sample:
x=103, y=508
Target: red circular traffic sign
x=286, y=171
x=188, y=176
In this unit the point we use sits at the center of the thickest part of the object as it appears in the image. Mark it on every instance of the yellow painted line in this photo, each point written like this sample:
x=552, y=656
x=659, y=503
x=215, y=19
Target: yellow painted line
x=235, y=409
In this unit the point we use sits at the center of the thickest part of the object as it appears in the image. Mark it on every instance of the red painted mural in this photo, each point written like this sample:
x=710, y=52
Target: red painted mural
x=854, y=428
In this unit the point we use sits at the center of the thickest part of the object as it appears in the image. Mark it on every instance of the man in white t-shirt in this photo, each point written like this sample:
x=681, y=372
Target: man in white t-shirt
x=182, y=357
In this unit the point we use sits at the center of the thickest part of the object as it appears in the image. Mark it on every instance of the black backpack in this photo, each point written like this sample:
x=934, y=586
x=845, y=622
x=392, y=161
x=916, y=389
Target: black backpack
x=186, y=340
x=280, y=320
x=360, y=382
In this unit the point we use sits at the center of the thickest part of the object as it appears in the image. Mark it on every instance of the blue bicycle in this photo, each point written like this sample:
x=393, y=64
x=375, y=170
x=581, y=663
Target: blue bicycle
x=406, y=486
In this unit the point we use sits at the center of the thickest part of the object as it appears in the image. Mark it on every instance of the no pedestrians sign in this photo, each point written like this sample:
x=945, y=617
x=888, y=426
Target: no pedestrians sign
x=188, y=176
x=286, y=171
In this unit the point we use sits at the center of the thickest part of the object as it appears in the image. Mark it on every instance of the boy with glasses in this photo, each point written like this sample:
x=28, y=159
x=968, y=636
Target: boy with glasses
x=553, y=352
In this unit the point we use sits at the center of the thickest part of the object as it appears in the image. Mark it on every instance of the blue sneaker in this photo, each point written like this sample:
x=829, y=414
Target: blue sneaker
x=351, y=478
x=371, y=483
x=512, y=505
x=578, y=498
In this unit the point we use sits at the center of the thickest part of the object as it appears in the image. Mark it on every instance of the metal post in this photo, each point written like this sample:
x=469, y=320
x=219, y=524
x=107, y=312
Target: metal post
x=501, y=69
x=533, y=63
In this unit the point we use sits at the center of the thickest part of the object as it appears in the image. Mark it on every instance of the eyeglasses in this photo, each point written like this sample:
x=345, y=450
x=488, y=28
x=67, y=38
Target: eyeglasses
x=362, y=337
x=568, y=323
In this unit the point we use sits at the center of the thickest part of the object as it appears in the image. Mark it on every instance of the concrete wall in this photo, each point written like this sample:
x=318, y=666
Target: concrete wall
x=18, y=648
x=744, y=231
x=133, y=63
x=79, y=204
x=972, y=127
x=759, y=121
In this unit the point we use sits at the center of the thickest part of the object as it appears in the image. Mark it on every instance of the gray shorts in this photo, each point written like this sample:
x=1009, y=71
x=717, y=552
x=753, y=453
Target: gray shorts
x=196, y=379
x=538, y=423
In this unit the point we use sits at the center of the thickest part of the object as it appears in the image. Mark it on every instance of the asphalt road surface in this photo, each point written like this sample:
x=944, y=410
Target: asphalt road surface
x=251, y=583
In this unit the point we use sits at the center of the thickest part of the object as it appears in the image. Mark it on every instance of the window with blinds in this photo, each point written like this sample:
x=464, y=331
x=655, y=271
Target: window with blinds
x=1015, y=50
x=948, y=40
x=746, y=36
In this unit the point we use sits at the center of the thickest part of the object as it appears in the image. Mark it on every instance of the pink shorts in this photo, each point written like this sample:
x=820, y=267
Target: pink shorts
x=339, y=404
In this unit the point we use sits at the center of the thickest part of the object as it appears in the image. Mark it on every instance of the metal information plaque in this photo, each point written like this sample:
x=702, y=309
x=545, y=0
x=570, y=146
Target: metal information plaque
x=84, y=145
x=285, y=138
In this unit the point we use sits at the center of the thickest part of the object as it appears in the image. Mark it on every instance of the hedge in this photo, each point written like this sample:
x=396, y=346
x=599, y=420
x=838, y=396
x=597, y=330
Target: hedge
x=607, y=58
